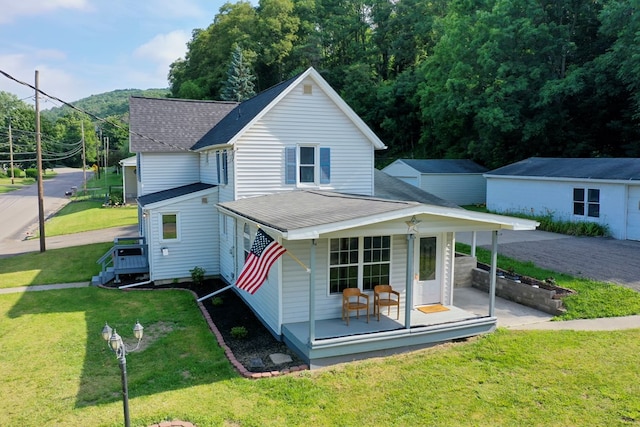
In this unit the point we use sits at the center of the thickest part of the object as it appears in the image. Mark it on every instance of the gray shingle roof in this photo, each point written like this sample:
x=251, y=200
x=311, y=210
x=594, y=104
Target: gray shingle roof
x=172, y=124
x=624, y=169
x=390, y=187
x=301, y=209
x=160, y=196
x=445, y=165
x=240, y=116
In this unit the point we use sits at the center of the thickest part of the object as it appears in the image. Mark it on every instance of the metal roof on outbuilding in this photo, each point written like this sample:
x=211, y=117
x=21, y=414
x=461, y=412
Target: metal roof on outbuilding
x=444, y=165
x=619, y=169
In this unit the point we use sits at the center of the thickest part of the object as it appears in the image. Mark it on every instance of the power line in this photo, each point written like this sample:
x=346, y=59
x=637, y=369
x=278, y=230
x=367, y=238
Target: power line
x=100, y=119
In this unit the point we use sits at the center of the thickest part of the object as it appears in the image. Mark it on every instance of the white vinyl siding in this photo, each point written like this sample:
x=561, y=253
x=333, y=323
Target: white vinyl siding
x=265, y=301
x=198, y=244
x=303, y=120
x=162, y=171
x=633, y=213
x=459, y=188
x=295, y=287
x=555, y=197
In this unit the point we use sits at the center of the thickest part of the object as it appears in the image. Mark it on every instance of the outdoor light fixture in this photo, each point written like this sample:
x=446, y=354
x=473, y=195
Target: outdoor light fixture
x=118, y=346
x=412, y=225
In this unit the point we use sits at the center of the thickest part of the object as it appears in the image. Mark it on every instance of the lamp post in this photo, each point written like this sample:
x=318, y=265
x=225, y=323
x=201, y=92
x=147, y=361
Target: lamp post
x=120, y=349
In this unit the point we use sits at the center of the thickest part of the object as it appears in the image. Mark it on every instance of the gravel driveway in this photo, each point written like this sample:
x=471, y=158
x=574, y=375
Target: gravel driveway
x=602, y=259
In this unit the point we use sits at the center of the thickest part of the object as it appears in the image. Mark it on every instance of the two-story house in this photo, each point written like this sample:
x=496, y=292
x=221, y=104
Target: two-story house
x=297, y=162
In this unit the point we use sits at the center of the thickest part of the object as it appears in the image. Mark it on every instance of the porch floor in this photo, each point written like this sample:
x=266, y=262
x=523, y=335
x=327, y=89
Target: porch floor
x=336, y=328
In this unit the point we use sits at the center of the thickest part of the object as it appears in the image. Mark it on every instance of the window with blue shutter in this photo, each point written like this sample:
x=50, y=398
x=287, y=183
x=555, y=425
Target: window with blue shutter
x=218, y=166
x=225, y=168
x=325, y=165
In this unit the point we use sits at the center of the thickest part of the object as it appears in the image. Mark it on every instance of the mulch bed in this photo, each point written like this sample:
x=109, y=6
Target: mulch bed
x=254, y=350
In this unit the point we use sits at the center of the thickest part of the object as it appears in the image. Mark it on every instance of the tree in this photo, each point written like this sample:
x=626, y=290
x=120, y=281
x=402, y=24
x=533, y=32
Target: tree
x=239, y=84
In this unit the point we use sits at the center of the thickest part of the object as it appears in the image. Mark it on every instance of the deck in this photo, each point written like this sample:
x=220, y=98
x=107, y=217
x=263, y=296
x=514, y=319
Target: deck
x=336, y=342
x=127, y=256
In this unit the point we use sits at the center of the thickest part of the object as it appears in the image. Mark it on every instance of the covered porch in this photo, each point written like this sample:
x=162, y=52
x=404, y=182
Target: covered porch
x=335, y=341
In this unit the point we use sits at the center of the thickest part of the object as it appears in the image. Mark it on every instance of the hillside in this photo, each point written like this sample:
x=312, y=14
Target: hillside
x=114, y=103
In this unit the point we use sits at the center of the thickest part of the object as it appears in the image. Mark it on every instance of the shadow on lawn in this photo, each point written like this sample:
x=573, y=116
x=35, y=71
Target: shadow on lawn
x=178, y=349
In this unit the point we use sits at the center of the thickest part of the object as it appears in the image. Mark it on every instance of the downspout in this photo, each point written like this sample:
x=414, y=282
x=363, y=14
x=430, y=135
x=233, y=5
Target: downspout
x=492, y=276
x=409, y=300
x=312, y=292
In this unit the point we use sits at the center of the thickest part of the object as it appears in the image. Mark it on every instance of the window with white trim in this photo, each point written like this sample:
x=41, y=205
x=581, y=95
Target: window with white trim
x=169, y=223
x=586, y=202
x=307, y=165
x=359, y=262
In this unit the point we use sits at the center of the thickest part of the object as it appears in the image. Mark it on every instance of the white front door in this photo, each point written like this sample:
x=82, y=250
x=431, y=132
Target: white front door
x=426, y=285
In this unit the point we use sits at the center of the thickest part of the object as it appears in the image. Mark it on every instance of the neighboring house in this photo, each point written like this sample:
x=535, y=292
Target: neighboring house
x=129, y=180
x=601, y=190
x=459, y=181
x=297, y=162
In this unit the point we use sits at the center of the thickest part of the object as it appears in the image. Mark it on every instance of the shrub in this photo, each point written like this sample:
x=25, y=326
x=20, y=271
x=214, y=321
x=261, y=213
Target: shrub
x=17, y=173
x=217, y=301
x=197, y=275
x=116, y=199
x=239, y=332
x=31, y=173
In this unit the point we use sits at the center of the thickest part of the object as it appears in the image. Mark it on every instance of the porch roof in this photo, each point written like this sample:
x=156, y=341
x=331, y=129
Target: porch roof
x=306, y=214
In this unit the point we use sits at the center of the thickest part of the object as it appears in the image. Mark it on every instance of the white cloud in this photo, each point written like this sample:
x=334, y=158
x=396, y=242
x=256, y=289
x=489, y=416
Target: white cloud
x=52, y=79
x=164, y=48
x=157, y=55
x=12, y=8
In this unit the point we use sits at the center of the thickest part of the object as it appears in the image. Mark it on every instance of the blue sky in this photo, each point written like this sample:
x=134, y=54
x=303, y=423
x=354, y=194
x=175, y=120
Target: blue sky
x=86, y=47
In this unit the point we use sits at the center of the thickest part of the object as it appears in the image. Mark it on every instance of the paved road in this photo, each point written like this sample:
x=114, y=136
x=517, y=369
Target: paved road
x=602, y=259
x=19, y=209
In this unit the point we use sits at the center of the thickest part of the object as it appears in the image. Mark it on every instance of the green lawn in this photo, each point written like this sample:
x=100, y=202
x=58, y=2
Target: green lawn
x=507, y=378
x=79, y=216
x=66, y=265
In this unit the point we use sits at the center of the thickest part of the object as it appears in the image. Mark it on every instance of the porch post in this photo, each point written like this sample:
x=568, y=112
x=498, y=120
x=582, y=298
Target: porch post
x=474, y=238
x=312, y=293
x=409, y=291
x=492, y=276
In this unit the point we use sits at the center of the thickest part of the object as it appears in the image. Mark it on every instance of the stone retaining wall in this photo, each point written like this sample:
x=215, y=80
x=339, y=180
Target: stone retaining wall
x=462, y=267
x=529, y=295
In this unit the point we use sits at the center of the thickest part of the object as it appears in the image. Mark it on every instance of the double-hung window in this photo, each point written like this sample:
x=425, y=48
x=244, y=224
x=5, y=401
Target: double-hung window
x=359, y=262
x=586, y=202
x=307, y=165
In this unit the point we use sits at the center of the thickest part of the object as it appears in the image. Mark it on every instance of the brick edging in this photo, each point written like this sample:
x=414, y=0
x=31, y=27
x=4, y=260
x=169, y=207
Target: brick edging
x=239, y=367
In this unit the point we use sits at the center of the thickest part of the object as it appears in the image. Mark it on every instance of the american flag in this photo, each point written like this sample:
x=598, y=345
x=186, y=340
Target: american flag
x=264, y=252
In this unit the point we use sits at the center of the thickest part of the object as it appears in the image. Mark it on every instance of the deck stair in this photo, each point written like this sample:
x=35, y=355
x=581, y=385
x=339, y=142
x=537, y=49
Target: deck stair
x=127, y=256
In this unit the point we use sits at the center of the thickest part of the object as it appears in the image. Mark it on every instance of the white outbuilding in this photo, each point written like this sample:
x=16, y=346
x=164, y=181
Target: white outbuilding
x=600, y=190
x=460, y=181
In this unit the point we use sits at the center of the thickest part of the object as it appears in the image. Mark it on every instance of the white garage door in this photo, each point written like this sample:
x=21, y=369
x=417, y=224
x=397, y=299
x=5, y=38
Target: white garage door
x=633, y=214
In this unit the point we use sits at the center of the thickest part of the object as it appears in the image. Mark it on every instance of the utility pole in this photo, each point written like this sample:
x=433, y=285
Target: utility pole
x=84, y=160
x=39, y=160
x=11, y=152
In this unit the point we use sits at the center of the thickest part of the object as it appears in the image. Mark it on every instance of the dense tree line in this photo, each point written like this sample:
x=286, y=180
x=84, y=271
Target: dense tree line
x=491, y=80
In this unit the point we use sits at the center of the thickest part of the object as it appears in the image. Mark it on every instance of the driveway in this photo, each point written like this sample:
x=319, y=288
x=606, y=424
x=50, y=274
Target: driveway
x=598, y=258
